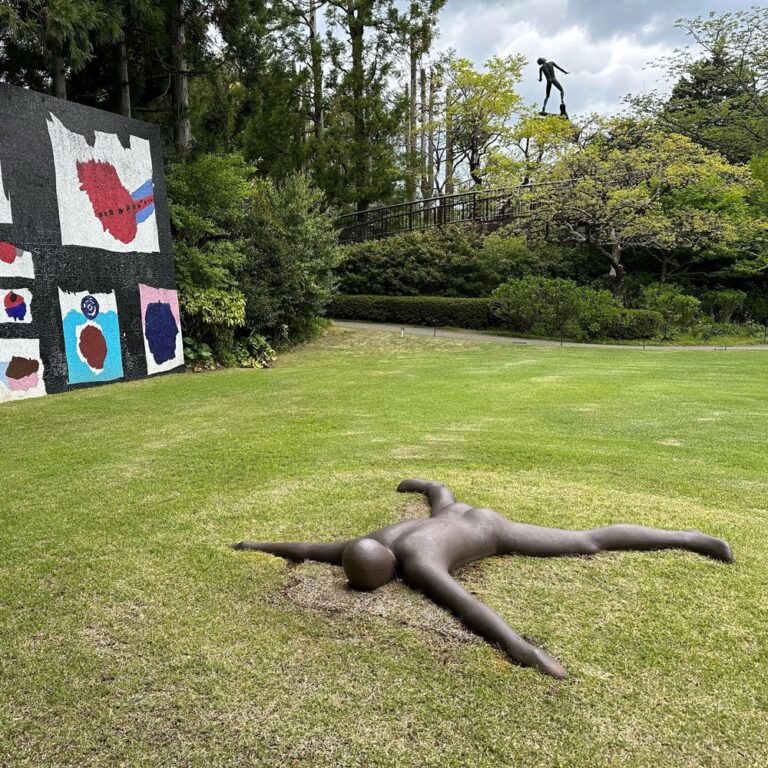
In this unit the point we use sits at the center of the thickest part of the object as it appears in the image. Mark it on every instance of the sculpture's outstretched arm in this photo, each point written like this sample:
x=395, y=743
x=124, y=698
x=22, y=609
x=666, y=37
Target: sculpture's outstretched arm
x=560, y=68
x=321, y=553
x=439, y=585
x=439, y=496
x=534, y=540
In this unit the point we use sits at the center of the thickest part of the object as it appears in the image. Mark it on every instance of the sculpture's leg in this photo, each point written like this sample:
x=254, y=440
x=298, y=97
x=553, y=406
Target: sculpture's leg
x=438, y=584
x=536, y=541
x=321, y=553
x=559, y=87
x=439, y=496
x=620, y=537
x=546, y=98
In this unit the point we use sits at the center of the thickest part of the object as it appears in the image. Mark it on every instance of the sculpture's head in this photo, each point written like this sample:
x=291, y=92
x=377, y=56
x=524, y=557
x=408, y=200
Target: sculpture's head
x=541, y=61
x=368, y=564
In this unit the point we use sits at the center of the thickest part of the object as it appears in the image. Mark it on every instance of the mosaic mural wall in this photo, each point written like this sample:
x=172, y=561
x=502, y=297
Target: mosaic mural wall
x=87, y=287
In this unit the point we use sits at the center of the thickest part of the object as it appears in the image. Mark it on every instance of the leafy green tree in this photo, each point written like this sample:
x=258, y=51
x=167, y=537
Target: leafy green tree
x=637, y=188
x=364, y=118
x=60, y=34
x=274, y=132
x=419, y=30
x=297, y=21
x=720, y=96
x=252, y=255
x=533, y=145
x=287, y=276
x=120, y=76
x=480, y=109
x=254, y=97
x=298, y=31
x=758, y=166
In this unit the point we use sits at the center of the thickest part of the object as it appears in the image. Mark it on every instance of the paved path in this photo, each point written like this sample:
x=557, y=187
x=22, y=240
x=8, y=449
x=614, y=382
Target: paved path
x=418, y=330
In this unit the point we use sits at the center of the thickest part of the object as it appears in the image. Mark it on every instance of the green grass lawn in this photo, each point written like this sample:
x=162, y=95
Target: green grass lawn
x=131, y=635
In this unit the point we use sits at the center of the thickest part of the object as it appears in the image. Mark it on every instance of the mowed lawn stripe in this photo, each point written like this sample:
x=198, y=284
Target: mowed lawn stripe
x=131, y=635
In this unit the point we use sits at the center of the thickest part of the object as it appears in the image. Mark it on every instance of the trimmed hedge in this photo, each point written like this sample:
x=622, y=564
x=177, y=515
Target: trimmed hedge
x=476, y=314
x=415, y=310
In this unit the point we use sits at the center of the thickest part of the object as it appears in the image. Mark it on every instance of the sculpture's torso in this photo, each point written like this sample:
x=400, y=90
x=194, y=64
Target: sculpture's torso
x=548, y=70
x=454, y=536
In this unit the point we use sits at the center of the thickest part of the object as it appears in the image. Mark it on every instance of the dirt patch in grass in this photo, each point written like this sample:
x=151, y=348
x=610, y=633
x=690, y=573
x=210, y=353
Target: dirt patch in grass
x=323, y=588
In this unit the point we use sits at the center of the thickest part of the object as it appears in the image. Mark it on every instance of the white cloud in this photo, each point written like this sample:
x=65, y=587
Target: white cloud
x=606, y=45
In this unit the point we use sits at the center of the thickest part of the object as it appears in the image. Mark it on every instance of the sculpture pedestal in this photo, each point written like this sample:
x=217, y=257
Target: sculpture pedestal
x=563, y=113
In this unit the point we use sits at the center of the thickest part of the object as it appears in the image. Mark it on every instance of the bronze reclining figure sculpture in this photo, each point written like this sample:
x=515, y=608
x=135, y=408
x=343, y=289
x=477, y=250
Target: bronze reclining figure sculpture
x=424, y=553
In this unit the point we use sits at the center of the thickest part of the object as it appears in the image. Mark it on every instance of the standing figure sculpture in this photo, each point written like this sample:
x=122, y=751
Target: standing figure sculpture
x=547, y=69
x=424, y=553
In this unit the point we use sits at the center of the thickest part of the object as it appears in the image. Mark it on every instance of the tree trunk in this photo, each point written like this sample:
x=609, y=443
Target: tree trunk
x=410, y=178
x=474, y=164
x=617, y=271
x=316, y=56
x=527, y=161
x=180, y=79
x=124, y=80
x=449, y=156
x=301, y=107
x=425, y=192
x=59, y=76
x=359, y=154
x=433, y=85
x=409, y=191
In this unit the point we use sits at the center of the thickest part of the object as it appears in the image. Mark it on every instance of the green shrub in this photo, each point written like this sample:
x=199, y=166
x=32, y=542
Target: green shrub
x=637, y=324
x=212, y=307
x=287, y=277
x=438, y=311
x=600, y=315
x=208, y=204
x=454, y=261
x=483, y=314
x=546, y=306
x=252, y=352
x=556, y=307
x=679, y=311
x=722, y=303
x=707, y=329
x=198, y=354
x=252, y=257
x=756, y=308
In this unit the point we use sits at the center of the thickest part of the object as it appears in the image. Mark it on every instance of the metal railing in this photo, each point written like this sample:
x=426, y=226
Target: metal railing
x=478, y=205
x=481, y=205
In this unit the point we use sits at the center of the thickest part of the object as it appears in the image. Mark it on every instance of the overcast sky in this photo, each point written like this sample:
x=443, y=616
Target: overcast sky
x=604, y=44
